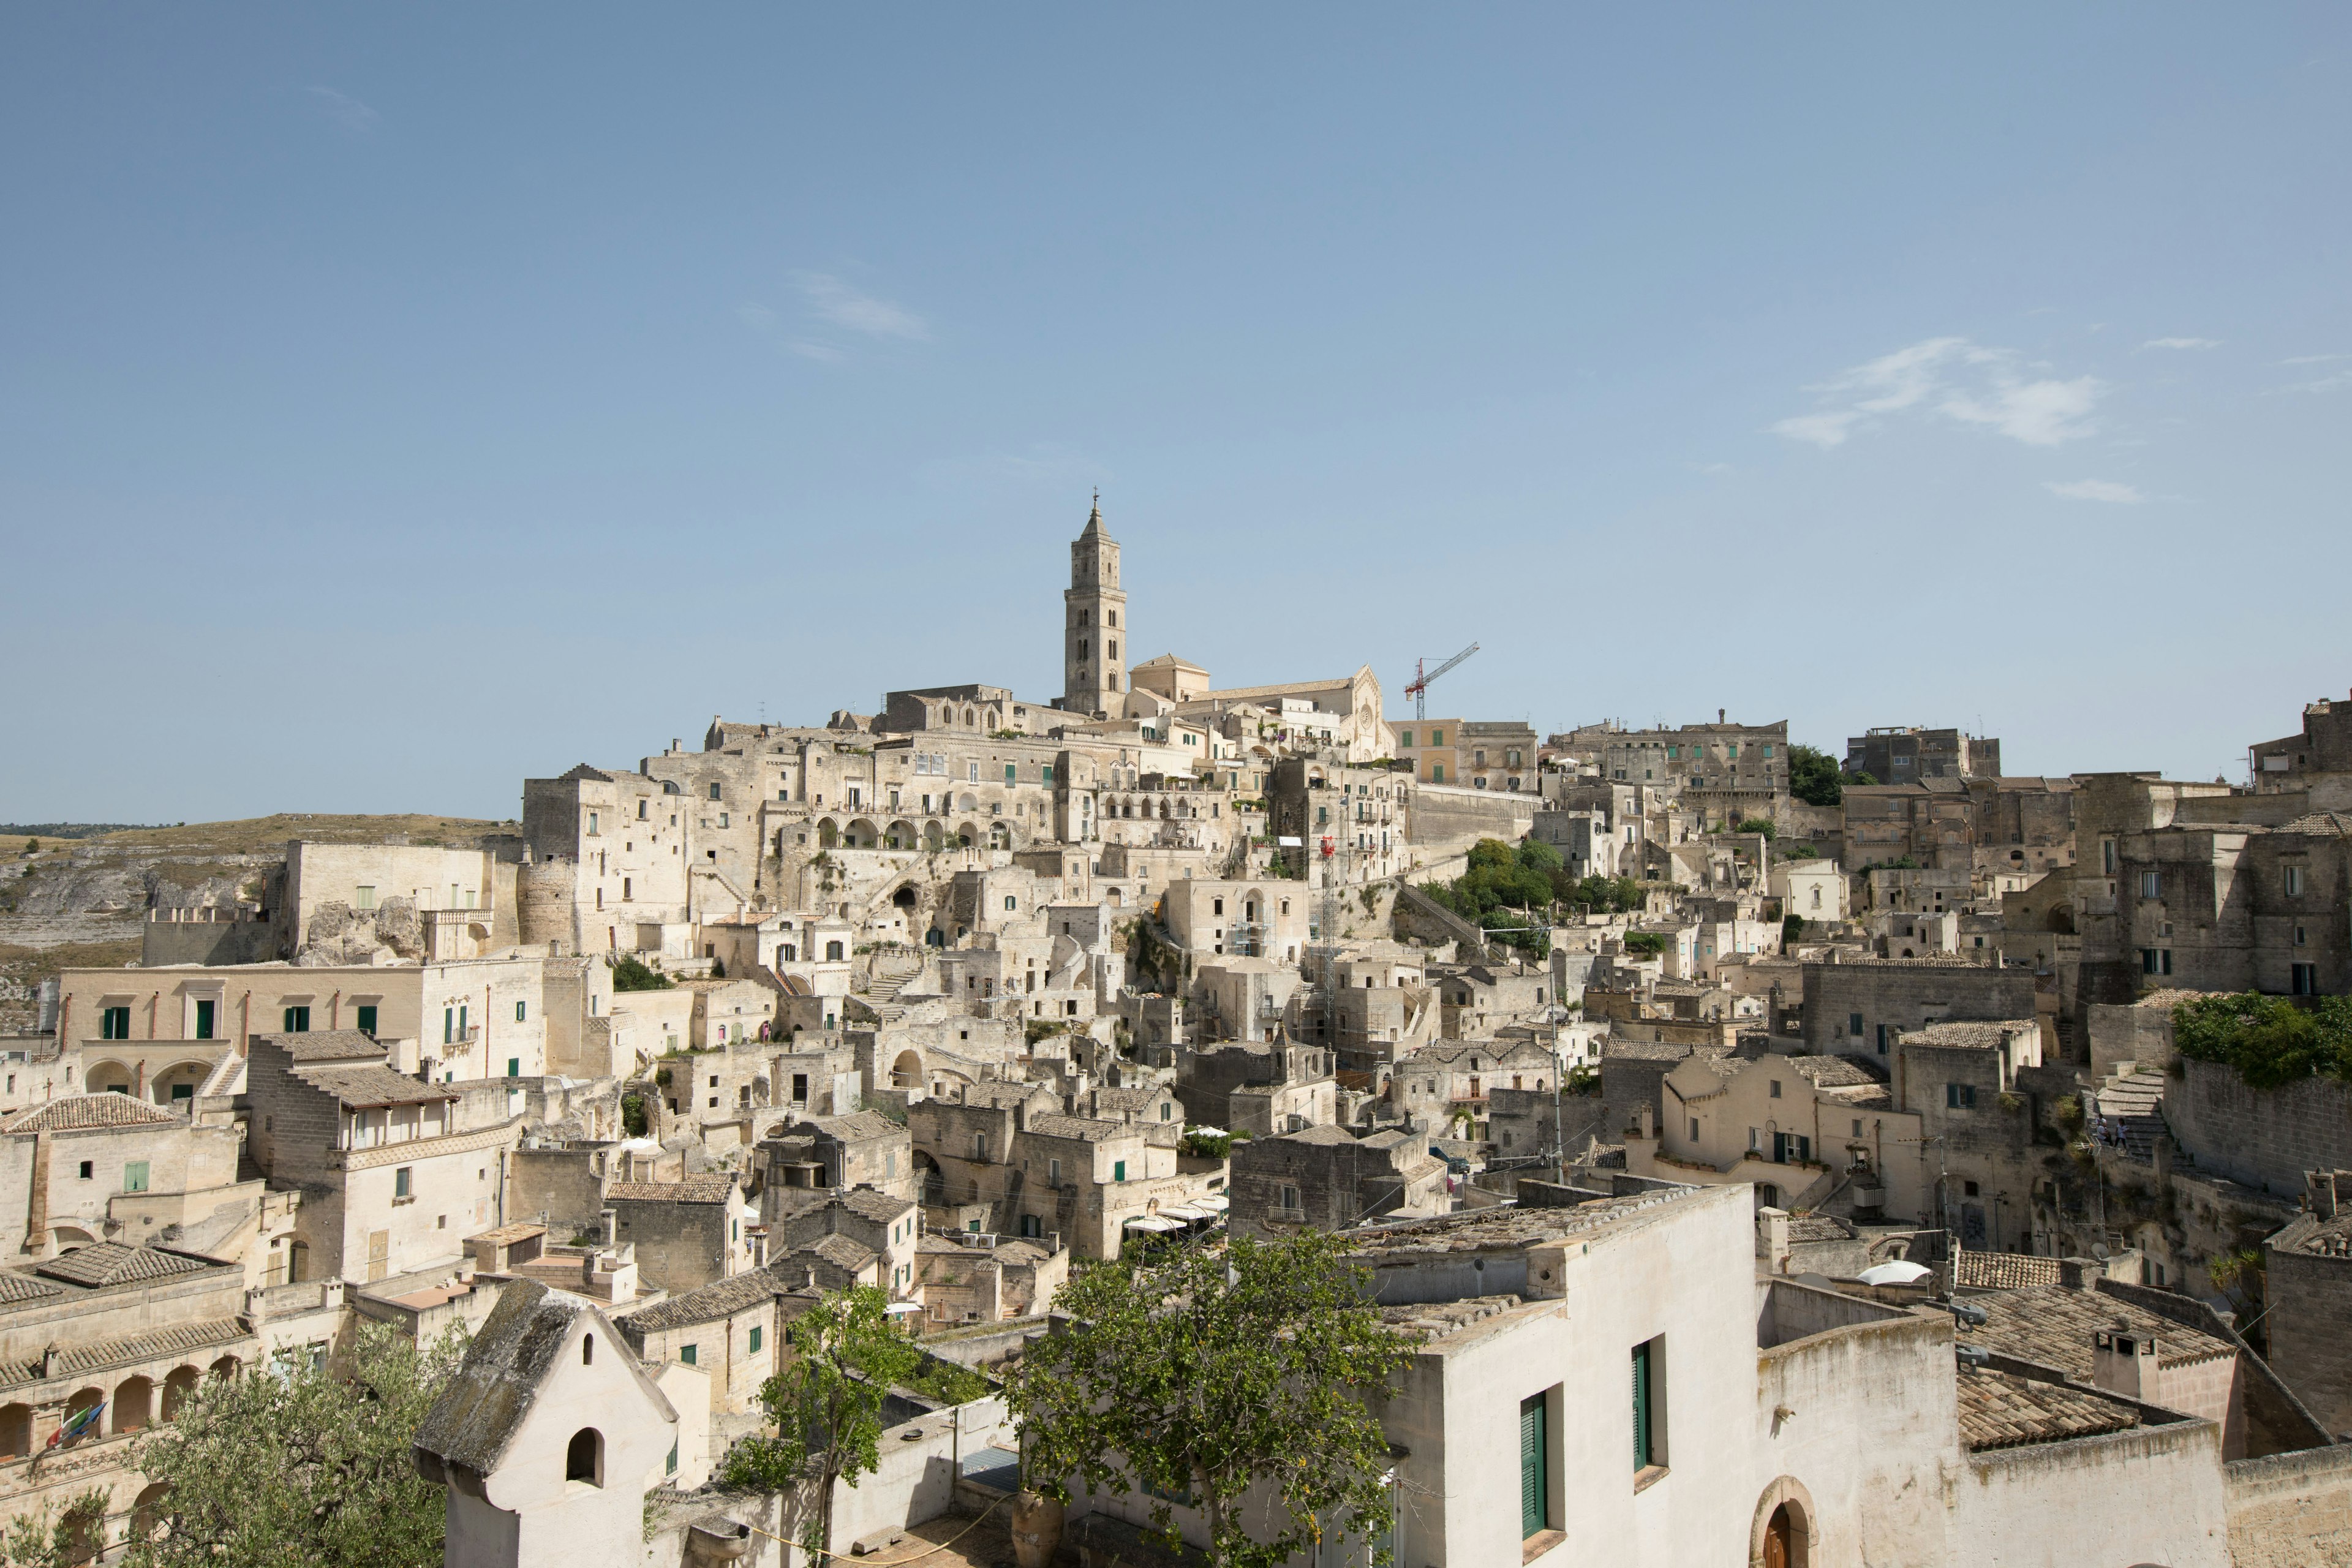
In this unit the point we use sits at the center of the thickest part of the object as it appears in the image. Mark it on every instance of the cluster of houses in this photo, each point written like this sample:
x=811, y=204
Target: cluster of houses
x=1854, y=1141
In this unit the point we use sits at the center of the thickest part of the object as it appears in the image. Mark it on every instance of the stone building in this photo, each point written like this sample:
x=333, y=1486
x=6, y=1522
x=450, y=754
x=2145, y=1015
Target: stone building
x=551, y=1433
x=1863, y=1006
x=972, y=1276
x=1327, y=1178
x=1907, y=754
x=1797, y=1129
x=885, y=1226
x=2239, y=907
x=687, y=1232
x=2307, y=1280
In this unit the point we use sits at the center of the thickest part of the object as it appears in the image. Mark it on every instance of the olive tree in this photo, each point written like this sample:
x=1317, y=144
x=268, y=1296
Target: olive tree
x=826, y=1403
x=1218, y=1379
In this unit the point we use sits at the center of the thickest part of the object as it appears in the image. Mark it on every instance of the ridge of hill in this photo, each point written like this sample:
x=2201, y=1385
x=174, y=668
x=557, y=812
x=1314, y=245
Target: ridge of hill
x=81, y=902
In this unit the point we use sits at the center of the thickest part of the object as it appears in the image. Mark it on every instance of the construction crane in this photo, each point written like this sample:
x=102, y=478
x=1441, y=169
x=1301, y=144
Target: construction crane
x=1421, y=679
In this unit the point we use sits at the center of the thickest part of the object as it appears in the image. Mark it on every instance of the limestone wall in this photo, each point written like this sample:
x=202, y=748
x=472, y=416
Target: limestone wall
x=2262, y=1138
x=2291, y=1511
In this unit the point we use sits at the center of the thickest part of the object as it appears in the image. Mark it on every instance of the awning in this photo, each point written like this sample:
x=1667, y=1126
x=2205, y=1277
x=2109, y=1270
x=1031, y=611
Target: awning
x=1215, y=1202
x=902, y=1307
x=1182, y=1212
x=1153, y=1222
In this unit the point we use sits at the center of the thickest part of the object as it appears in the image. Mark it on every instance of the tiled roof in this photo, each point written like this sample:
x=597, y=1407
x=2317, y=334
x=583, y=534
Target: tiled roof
x=72, y=1112
x=16, y=1287
x=2054, y=1326
x=844, y=1253
x=2307, y=1233
x=367, y=1088
x=706, y=1303
x=326, y=1046
x=877, y=1206
x=1819, y=1227
x=1969, y=1036
x=856, y=1125
x=1834, y=1072
x=105, y=1263
x=994, y=1094
x=1086, y=1129
x=507, y=1234
x=2003, y=1271
x=692, y=1190
x=181, y=1338
x=1124, y=1098
x=2000, y=1410
x=1429, y=1320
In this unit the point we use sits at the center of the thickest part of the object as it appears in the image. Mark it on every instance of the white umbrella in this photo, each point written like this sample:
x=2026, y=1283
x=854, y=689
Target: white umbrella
x=1898, y=1272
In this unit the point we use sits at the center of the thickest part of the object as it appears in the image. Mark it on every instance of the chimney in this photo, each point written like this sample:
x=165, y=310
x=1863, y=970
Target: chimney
x=1718, y=715
x=2081, y=1273
x=2319, y=1194
x=1772, y=1240
x=2123, y=1362
x=609, y=1227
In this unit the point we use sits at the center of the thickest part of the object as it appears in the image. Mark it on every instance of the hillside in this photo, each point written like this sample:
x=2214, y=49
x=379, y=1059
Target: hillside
x=81, y=902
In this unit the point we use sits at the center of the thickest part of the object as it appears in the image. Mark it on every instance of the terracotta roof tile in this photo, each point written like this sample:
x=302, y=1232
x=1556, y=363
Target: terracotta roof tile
x=105, y=1263
x=692, y=1190
x=2000, y=1410
x=74, y=1113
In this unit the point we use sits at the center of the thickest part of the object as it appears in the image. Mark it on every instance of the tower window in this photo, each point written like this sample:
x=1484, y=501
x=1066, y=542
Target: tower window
x=584, y=1457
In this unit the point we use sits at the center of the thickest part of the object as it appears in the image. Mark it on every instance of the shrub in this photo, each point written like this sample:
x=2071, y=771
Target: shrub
x=2269, y=1040
x=631, y=973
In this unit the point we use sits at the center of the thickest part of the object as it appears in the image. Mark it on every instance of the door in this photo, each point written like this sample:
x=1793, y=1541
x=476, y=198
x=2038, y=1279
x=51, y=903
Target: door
x=205, y=1019
x=1776, y=1544
x=379, y=1253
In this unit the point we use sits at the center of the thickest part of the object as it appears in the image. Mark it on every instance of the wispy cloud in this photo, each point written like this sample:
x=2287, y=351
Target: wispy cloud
x=346, y=110
x=1955, y=379
x=2096, y=490
x=1040, y=466
x=832, y=309
x=2182, y=344
x=2315, y=359
x=838, y=304
x=771, y=325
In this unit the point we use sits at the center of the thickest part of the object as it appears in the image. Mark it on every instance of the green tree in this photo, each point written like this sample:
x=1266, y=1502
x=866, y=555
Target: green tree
x=32, y=846
x=826, y=1403
x=2270, y=1041
x=630, y=973
x=1202, y=1377
x=1763, y=825
x=43, y=1540
x=1813, y=776
x=1647, y=943
x=299, y=1467
x=1792, y=929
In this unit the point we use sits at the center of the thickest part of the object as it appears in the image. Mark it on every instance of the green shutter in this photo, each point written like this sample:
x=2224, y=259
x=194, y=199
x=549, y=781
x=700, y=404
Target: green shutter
x=1641, y=1406
x=1532, y=1466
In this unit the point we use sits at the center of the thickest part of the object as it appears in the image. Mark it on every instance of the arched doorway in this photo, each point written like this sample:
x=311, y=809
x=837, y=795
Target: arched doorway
x=907, y=1072
x=1781, y=1535
x=134, y=1404
x=178, y=1388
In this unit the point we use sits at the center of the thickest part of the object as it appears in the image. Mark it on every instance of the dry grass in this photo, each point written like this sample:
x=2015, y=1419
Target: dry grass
x=260, y=835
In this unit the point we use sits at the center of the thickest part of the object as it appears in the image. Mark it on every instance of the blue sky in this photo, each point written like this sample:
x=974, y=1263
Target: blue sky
x=397, y=403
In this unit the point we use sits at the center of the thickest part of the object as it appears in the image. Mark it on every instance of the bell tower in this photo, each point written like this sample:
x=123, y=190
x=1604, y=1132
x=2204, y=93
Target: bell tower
x=1093, y=633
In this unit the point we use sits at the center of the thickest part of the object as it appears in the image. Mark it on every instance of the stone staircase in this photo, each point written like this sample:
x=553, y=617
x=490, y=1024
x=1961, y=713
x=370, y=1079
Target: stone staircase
x=891, y=975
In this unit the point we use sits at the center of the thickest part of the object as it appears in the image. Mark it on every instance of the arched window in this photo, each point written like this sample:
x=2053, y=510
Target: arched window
x=587, y=1349
x=584, y=1457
